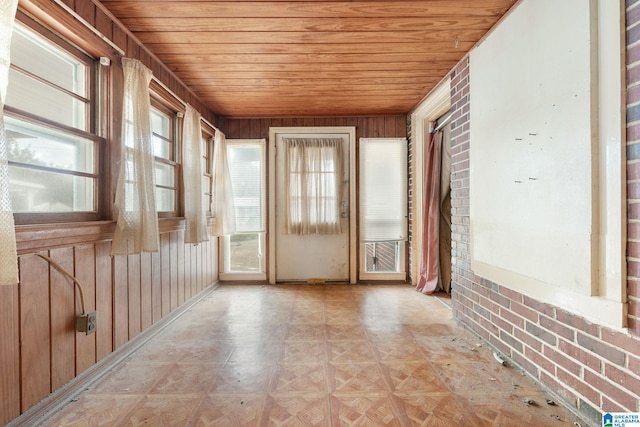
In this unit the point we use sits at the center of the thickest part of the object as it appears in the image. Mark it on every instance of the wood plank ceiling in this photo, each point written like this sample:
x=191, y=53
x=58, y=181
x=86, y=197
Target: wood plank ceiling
x=295, y=58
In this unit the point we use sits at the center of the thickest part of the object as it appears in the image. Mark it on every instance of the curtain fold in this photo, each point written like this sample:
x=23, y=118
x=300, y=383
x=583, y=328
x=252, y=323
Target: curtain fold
x=137, y=226
x=8, y=252
x=222, y=206
x=194, y=211
x=429, y=257
x=313, y=180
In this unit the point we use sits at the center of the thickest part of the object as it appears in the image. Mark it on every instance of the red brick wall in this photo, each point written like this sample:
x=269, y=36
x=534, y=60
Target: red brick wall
x=593, y=368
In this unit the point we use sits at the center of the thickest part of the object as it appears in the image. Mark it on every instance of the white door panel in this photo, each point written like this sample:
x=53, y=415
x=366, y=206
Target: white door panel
x=310, y=257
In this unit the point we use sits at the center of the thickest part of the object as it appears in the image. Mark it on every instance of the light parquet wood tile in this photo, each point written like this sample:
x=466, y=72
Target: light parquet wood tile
x=345, y=356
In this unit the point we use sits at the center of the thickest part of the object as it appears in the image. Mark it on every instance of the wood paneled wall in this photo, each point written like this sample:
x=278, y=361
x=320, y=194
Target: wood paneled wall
x=40, y=351
x=366, y=127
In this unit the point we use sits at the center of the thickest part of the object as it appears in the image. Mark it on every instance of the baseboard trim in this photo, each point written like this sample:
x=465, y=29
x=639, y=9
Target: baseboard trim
x=37, y=414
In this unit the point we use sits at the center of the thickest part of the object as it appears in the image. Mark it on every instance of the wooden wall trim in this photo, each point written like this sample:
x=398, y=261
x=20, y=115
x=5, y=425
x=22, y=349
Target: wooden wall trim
x=33, y=238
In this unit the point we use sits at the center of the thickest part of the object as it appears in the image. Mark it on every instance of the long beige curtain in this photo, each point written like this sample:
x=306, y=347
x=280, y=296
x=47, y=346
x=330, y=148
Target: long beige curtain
x=194, y=211
x=137, y=227
x=222, y=206
x=8, y=253
x=313, y=180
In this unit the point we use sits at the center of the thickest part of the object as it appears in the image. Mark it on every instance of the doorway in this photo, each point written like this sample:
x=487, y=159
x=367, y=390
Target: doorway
x=297, y=255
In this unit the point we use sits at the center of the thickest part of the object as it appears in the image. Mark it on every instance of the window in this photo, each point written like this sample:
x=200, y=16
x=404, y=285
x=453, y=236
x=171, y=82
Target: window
x=383, y=208
x=52, y=150
x=314, y=168
x=243, y=251
x=207, y=176
x=163, y=129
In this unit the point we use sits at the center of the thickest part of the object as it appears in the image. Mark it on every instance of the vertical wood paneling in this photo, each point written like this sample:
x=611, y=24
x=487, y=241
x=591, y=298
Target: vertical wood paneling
x=156, y=287
x=173, y=268
x=120, y=302
x=85, y=273
x=35, y=341
x=194, y=270
x=63, y=314
x=181, y=281
x=104, y=300
x=187, y=270
x=133, y=284
x=165, y=254
x=9, y=354
x=199, y=269
x=145, y=291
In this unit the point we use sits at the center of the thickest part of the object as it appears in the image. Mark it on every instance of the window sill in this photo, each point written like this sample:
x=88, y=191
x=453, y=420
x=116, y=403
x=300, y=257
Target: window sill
x=39, y=237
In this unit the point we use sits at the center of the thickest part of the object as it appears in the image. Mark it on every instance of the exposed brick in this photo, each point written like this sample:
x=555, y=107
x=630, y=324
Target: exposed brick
x=524, y=311
x=623, y=378
x=633, y=171
x=633, y=150
x=526, y=364
x=633, y=288
x=609, y=406
x=540, y=307
x=633, y=131
x=633, y=210
x=580, y=355
x=500, y=345
x=634, y=307
x=577, y=322
x=560, y=389
x=590, y=412
x=502, y=324
x=634, y=363
x=557, y=328
x=540, y=361
x=566, y=363
x=514, y=295
x=620, y=396
x=528, y=339
x=623, y=341
x=633, y=230
x=514, y=319
x=585, y=389
x=600, y=348
x=540, y=333
x=633, y=268
x=511, y=341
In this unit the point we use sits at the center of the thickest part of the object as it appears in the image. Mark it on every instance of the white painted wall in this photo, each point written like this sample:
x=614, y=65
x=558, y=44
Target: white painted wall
x=541, y=164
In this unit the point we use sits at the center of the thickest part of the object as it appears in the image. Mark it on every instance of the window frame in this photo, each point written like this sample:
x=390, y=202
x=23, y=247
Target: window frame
x=159, y=103
x=96, y=83
x=224, y=243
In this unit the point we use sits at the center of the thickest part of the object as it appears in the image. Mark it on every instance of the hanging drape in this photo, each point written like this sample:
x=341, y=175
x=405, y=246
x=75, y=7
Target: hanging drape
x=429, y=271
x=137, y=227
x=194, y=210
x=8, y=253
x=222, y=206
x=313, y=180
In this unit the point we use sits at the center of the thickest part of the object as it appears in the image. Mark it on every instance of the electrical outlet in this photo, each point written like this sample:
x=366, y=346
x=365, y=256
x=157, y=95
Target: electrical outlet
x=87, y=323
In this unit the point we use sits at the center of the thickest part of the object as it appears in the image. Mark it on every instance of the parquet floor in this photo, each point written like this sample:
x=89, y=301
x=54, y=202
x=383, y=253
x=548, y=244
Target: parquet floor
x=313, y=355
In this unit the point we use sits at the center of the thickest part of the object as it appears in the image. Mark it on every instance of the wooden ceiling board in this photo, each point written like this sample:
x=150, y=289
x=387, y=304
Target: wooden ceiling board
x=309, y=58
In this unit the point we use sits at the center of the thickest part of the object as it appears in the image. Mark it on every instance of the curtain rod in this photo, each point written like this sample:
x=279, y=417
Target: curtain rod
x=443, y=123
x=172, y=93
x=84, y=22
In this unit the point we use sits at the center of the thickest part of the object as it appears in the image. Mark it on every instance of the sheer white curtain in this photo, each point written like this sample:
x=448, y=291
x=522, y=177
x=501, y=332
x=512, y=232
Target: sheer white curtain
x=8, y=253
x=222, y=206
x=137, y=228
x=194, y=212
x=313, y=180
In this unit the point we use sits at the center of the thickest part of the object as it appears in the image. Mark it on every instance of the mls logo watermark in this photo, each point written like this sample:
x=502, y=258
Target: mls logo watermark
x=621, y=419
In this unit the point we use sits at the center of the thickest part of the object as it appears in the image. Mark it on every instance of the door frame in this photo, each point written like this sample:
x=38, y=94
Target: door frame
x=312, y=132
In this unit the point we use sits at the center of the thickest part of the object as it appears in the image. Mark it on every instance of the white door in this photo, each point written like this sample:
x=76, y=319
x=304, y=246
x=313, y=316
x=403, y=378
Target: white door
x=311, y=257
